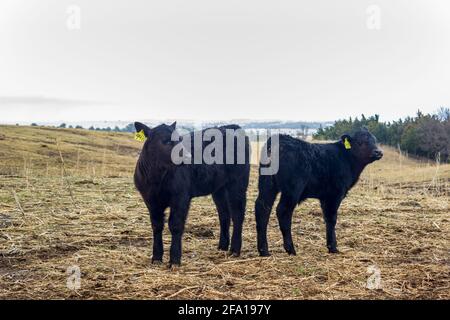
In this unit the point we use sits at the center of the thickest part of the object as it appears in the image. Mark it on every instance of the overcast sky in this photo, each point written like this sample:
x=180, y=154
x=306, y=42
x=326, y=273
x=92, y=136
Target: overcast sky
x=220, y=60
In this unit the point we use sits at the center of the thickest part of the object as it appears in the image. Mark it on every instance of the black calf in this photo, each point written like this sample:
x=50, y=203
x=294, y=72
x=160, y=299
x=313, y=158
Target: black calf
x=322, y=171
x=164, y=184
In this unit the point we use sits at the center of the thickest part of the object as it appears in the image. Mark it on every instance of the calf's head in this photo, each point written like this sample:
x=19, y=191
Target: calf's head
x=158, y=145
x=363, y=146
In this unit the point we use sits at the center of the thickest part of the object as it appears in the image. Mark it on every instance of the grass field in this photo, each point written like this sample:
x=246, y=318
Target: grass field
x=67, y=200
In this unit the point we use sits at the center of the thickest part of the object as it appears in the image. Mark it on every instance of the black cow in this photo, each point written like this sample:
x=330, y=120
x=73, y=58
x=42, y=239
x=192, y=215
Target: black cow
x=321, y=171
x=163, y=184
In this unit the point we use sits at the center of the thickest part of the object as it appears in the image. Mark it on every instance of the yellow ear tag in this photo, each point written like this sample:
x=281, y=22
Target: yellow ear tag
x=347, y=144
x=139, y=136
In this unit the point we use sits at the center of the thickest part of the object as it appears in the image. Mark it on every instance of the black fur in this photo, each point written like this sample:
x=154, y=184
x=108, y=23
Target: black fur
x=163, y=185
x=322, y=171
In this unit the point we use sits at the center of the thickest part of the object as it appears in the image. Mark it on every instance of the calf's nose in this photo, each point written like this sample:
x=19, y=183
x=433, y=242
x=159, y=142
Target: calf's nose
x=378, y=153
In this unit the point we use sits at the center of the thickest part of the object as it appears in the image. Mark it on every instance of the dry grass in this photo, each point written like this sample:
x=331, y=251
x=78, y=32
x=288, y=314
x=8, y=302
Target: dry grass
x=88, y=214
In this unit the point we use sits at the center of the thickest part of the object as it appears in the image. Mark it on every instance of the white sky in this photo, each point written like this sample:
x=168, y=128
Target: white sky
x=219, y=60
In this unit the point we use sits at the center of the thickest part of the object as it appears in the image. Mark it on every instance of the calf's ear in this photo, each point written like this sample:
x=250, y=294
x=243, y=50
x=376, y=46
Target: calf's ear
x=142, y=127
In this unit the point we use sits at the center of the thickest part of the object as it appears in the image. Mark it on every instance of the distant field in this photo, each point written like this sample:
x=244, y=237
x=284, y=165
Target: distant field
x=67, y=199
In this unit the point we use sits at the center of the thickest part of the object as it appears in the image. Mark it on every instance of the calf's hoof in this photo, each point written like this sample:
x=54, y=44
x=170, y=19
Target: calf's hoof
x=333, y=250
x=234, y=254
x=174, y=266
x=235, y=250
x=291, y=251
x=264, y=253
x=156, y=261
x=222, y=247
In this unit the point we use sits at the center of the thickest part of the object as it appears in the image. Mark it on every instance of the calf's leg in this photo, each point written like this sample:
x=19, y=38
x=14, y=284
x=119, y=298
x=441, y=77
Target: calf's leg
x=237, y=200
x=285, y=210
x=157, y=220
x=221, y=200
x=330, y=208
x=158, y=227
x=177, y=220
x=263, y=206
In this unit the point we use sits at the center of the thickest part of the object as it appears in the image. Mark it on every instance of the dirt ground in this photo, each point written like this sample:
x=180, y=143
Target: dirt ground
x=68, y=204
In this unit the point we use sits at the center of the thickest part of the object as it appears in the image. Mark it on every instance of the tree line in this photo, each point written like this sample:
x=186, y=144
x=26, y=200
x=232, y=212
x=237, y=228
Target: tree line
x=425, y=135
x=128, y=128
